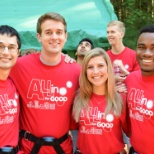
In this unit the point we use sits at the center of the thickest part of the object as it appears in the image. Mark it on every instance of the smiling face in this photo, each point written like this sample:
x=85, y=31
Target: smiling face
x=97, y=73
x=145, y=53
x=52, y=37
x=8, y=58
x=114, y=34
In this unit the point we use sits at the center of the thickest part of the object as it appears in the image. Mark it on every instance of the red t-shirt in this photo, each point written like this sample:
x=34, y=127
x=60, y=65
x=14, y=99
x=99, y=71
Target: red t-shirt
x=9, y=114
x=97, y=134
x=46, y=99
x=141, y=111
x=128, y=57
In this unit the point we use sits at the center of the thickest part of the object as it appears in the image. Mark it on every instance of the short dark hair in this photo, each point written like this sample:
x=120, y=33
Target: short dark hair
x=88, y=40
x=50, y=16
x=146, y=29
x=10, y=31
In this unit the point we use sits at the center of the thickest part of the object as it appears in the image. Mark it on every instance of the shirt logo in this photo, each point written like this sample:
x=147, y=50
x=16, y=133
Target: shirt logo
x=51, y=95
x=8, y=108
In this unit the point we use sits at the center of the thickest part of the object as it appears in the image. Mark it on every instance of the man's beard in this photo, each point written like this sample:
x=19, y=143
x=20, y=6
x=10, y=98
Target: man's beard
x=80, y=53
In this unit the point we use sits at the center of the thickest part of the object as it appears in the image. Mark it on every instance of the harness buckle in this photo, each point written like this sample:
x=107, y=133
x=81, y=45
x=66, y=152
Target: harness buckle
x=48, y=139
x=25, y=135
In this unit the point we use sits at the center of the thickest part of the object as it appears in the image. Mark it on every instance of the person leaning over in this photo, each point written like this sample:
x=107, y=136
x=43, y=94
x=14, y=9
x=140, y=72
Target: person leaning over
x=9, y=99
x=46, y=85
x=98, y=109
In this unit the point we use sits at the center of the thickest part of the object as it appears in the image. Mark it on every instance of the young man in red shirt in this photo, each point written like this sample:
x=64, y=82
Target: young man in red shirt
x=122, y=57
x=140, y=96
x=9, y=100
x=47, y=86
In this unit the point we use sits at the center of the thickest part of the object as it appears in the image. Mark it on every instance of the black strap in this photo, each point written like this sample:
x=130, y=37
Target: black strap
x=38, y=142
x=13, y=151
x=77, y=151
x=132, y=151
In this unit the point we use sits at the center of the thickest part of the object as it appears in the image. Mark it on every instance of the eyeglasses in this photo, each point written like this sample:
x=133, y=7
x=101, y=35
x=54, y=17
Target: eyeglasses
x=11, y=49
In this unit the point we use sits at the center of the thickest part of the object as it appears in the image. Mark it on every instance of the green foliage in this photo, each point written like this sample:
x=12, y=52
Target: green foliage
x=135, y=14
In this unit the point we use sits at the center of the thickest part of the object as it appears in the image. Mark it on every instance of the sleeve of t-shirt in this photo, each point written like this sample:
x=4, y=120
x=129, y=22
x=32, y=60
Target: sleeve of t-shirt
x=136, y=66
x=74, y=125
x=125, y=116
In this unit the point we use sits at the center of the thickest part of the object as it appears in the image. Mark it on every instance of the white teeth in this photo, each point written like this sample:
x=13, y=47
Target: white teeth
x=147, y=61
x=111, y=39
x=54, y=43
x=5, y=60
x=97, y=77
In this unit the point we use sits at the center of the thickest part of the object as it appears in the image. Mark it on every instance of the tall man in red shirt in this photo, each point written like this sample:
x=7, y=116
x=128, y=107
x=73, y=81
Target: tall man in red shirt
x=9, y=99
x=47, y=86
x=122, y=57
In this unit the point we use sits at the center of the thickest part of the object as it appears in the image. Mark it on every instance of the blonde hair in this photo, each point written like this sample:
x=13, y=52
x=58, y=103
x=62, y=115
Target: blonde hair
x=114, y=101
x=120, y=24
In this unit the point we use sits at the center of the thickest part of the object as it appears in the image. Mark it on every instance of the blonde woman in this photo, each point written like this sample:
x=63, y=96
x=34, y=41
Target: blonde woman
x=98, y=109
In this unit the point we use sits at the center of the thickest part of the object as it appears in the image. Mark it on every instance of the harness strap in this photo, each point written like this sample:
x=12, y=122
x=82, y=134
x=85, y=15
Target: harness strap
x=38, y=142
x=132, y=151
x=122, y=152
x=77, y=151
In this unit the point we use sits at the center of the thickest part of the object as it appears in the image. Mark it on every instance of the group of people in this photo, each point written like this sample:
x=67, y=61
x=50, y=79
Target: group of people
x=44, y=97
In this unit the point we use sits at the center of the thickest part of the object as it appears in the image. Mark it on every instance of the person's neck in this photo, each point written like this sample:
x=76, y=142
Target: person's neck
x=117, y=49
x=80, y=60
x=100, y=90
x=4, y=74
x=51, y=59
